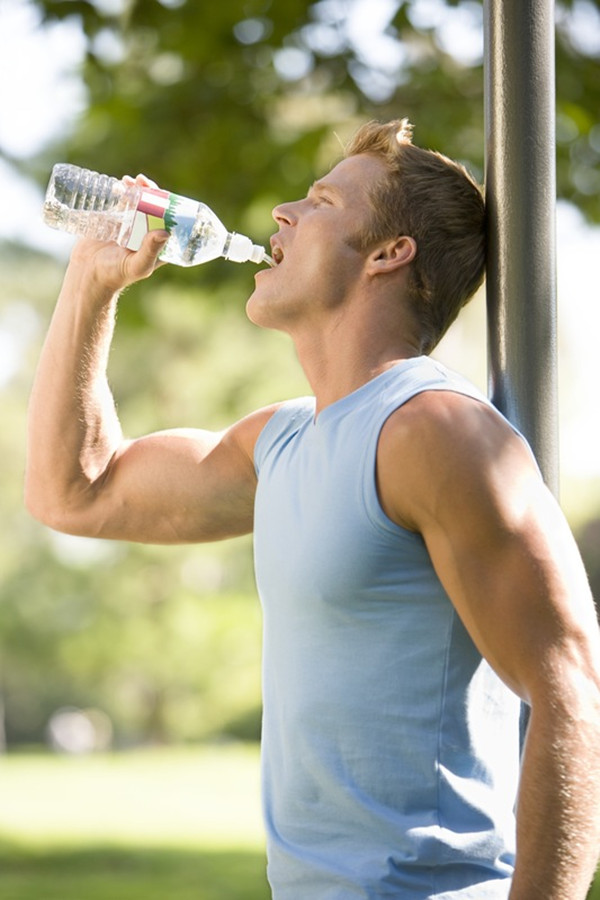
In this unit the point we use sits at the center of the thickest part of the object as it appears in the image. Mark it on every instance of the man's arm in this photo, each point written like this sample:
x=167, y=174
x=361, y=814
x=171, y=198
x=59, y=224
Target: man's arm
x=451, y=469
x=82, y=476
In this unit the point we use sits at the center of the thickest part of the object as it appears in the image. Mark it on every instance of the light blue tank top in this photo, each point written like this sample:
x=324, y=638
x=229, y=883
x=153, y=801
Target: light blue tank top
x=390, y=748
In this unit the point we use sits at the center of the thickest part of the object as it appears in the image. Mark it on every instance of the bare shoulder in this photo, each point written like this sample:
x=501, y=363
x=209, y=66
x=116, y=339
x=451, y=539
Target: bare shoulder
x=245, y=432
x=442, y=449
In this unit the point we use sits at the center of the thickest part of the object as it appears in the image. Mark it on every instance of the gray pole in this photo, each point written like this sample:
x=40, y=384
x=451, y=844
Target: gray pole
x=520, y=195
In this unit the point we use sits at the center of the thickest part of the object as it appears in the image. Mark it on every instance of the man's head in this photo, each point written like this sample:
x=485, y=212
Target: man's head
x=435, y=201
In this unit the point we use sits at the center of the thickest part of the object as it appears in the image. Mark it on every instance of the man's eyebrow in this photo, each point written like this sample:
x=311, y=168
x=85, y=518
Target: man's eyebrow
x=324, y=186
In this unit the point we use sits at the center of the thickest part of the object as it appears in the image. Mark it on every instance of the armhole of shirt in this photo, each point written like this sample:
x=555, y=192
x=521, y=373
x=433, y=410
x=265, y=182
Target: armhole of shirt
x=281, y=422
x=372, y=503
x=370, y=495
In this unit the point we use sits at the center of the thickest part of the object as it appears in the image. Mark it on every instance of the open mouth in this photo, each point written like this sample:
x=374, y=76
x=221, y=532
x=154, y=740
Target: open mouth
x=277, y=255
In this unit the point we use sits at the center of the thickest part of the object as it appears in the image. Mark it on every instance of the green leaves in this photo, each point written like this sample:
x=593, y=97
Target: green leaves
x=236, y=102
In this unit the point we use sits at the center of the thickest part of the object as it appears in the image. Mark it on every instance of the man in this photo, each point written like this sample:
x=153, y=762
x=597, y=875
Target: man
x=416, y=576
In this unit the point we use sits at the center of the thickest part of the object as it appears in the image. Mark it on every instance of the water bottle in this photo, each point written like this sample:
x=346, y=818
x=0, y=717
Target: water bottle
x=83, y=202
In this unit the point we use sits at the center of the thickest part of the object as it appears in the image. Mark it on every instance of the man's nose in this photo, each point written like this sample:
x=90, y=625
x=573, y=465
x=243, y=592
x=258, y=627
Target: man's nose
x=284, y=214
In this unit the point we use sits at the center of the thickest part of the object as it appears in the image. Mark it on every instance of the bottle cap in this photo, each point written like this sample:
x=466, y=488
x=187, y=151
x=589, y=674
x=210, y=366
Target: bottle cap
x=241, y=249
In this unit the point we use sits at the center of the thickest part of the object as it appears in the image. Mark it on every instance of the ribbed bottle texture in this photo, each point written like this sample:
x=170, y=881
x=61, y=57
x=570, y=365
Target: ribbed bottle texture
x=84, y=202
x=80, y=201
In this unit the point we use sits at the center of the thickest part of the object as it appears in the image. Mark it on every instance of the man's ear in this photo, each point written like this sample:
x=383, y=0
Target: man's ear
x=392, y=255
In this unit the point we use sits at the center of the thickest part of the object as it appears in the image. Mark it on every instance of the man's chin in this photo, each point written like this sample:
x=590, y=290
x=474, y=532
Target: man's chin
x=267, y=316
x=258, y=312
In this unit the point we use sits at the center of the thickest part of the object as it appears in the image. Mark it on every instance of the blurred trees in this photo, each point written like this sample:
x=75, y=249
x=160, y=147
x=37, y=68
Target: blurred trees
x=237, y=102
x=240, y=104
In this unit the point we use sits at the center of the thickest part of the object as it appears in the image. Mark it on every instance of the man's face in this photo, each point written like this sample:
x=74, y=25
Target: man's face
x=317, y=265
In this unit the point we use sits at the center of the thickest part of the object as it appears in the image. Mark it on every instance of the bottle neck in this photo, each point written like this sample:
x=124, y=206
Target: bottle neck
x=239, y=248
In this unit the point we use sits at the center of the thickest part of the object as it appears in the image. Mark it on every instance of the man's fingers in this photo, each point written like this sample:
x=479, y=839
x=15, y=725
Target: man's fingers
x=144, y=181
x=143, y=262
x=141, y=180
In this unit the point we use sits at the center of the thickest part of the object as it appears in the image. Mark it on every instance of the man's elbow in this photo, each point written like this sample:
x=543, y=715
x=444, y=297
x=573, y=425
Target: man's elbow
x=45, y=512
x=35, y=500
x=46, y=507
x=572, y=689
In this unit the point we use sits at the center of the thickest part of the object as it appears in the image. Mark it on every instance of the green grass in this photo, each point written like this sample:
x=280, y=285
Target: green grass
x=146, y=825
x=594, y=893
x=128, y=874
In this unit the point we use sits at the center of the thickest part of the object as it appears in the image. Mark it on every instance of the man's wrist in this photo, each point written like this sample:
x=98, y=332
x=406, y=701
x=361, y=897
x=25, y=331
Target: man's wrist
x=86, y=281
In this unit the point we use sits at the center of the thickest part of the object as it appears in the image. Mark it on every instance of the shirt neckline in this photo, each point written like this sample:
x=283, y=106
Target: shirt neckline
x=338, y=407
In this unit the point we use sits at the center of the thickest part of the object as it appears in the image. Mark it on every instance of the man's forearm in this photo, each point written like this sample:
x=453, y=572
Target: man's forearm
x=73, y=428
x=558, y=815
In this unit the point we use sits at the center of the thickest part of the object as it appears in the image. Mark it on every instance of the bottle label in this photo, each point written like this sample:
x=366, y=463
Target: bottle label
x=161, y=211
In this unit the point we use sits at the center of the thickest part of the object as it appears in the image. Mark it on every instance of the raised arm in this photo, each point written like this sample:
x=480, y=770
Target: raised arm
x=453, y=470
x=82, y=476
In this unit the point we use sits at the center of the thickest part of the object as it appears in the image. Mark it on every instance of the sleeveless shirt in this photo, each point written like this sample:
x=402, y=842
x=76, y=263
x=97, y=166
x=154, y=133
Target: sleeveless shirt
x=390, y=753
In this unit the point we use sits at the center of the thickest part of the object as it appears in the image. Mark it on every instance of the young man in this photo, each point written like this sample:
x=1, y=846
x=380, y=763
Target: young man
x=417, y=577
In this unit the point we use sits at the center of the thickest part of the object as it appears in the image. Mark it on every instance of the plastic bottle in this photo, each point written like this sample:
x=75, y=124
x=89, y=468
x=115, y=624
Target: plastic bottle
x=83, y=202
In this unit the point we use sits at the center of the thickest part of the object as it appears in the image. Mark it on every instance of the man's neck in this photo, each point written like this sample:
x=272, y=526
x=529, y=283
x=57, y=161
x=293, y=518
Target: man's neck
x=340, y=359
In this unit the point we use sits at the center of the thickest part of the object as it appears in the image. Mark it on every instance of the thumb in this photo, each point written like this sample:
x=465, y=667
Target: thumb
x=142, y=263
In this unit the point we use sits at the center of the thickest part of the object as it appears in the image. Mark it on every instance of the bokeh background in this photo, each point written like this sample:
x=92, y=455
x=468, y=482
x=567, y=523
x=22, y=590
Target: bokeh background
x=130, y=675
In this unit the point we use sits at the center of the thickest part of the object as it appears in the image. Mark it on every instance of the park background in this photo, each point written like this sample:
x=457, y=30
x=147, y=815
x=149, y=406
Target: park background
x=130, y=674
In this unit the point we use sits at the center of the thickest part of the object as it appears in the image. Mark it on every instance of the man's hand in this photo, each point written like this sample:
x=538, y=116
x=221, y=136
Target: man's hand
x=111, y=268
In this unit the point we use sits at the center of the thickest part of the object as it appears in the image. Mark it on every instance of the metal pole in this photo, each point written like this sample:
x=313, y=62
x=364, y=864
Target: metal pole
x=520, y=196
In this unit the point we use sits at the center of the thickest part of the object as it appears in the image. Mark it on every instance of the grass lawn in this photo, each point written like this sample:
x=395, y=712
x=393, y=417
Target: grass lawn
x=144, y=825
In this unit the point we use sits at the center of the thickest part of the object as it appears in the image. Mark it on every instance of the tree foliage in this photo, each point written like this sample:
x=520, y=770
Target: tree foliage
x=238, y=101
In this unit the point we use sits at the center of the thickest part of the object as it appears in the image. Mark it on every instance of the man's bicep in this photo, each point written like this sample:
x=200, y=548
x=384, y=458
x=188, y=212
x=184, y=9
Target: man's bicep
x=177, y=486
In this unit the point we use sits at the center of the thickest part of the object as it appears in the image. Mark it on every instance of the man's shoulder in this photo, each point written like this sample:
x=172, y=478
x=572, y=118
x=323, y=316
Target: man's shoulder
x=444, y=414
x=442, y=443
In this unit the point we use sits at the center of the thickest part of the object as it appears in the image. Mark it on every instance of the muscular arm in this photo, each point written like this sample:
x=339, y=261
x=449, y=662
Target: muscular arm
x=82, y=476
x=451, y=469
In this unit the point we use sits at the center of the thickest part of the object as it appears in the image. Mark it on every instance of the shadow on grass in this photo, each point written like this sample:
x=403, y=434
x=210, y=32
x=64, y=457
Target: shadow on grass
x=117, y=873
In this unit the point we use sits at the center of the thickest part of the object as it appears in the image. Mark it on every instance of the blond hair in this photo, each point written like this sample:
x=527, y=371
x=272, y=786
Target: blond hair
x=438, y=203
